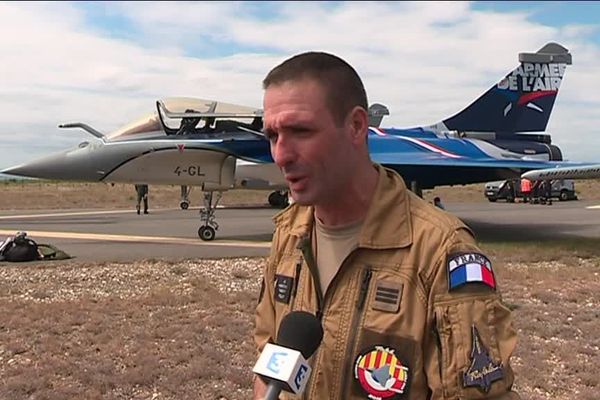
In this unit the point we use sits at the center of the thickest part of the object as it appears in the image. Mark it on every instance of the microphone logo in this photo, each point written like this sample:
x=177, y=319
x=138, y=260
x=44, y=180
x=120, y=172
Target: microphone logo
x=301, y=376
x=276, y=362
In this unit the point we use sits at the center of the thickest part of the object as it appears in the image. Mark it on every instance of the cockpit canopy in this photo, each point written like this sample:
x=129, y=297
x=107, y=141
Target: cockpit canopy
x=205, y=116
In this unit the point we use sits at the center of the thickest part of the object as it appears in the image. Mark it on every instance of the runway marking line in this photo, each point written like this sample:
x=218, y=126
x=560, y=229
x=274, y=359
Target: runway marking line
x=132, y=238
x=102, y=212
x=70, y=214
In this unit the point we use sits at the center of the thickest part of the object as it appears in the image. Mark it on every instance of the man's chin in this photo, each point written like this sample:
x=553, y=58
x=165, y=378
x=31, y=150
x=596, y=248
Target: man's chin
x=301, y=198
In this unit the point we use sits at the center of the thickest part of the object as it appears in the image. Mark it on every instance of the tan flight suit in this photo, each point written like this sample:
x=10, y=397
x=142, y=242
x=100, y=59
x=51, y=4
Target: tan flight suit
x=389, y=315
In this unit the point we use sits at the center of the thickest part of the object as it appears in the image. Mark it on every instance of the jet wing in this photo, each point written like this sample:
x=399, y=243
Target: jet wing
x=565, y=172
x=445, y=161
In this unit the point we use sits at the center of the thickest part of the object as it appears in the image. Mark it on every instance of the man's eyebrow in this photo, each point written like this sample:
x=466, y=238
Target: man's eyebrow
x=297, y=126
x=302, y=126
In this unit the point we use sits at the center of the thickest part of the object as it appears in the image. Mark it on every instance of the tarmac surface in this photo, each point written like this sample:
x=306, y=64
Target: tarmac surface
x=122, y=235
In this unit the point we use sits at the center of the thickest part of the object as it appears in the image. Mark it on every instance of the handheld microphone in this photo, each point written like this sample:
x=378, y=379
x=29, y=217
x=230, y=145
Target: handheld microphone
x=283, y=366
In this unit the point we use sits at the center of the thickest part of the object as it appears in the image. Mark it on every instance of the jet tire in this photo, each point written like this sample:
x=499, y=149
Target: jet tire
x=207, y=233
x=184, y=205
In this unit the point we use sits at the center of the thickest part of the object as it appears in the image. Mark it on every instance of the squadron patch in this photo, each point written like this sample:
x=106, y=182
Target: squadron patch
x=483, y=371
x=380, y=373
x=470, y=268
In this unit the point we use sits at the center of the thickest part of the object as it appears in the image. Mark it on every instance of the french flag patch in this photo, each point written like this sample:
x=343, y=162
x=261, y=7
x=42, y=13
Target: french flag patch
x=470, y=268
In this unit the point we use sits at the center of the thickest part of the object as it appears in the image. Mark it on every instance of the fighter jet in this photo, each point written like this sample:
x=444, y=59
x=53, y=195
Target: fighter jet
x=219, y=146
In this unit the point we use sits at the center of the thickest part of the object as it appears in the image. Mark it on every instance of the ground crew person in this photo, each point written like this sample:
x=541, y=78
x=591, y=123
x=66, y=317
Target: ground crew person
x=526, y=189
x=511, y=194
x=142, y=194
x=409, y=304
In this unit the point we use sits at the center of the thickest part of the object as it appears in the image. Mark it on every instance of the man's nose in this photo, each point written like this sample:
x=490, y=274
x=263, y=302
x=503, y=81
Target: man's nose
x=283, y=152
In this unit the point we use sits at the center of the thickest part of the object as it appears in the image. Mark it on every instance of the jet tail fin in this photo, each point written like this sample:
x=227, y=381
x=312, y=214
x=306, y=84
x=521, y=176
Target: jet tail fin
x=522, y=101
x=376, y=113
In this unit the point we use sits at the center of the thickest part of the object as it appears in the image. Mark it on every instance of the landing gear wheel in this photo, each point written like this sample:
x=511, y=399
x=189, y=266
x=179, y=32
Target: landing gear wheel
x=279, y=199
x=273, y=199
x=184, y=205
x=209, y=227
x=564, y=195
x=207, y=233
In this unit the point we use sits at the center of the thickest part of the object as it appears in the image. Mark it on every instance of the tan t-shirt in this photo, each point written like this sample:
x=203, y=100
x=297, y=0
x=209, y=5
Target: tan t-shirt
x=331, y=246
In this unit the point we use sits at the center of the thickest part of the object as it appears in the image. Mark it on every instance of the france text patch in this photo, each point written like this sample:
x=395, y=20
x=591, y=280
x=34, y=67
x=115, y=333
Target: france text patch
x=470, y=268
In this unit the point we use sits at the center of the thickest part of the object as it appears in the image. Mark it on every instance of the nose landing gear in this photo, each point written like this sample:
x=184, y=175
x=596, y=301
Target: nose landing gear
x=208, y=230
x=184, y=202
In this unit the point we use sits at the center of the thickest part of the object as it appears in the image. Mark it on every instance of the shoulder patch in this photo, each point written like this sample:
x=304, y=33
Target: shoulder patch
x=466, y=268
x=483, y=371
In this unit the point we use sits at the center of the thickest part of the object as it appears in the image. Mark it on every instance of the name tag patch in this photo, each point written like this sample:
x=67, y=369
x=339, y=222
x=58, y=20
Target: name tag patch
x=470, y=268
x=283, y=288
x=387, y=296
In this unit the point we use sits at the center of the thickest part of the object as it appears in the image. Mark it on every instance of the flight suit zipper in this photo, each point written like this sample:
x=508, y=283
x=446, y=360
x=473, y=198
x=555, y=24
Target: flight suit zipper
x=296, y=282
x=354, y=327
x=305, y=246
x=438, y=340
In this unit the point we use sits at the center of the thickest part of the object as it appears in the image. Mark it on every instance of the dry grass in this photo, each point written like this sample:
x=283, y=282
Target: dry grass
x=155, y=330
x=127, y=331
x=34, y=195
x=31, y=195
x=558, y=320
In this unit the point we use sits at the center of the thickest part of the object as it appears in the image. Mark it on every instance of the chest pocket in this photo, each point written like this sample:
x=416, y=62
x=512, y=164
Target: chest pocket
x=290, y=286
x=394, y=302
x=391, y=319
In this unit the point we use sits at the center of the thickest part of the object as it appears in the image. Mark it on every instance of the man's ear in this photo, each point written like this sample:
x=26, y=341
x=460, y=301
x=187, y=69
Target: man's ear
x=358, y=121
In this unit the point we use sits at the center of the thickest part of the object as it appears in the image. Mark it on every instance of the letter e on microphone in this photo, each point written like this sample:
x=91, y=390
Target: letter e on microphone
x=276, y=362
x=301, y=377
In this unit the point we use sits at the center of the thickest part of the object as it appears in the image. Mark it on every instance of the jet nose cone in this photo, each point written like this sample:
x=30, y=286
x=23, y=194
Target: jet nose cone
x=47, y=168
x=62, y=166
x=20, y=170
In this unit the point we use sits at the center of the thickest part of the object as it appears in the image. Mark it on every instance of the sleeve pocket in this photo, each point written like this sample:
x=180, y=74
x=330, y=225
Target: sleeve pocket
x=476, y=339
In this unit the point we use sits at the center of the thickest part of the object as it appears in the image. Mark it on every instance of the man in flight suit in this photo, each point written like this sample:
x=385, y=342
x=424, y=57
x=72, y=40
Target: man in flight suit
x=409, y=304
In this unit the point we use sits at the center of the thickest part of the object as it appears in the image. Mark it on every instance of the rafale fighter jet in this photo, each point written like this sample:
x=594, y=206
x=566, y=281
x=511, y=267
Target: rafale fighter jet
x=219, y=146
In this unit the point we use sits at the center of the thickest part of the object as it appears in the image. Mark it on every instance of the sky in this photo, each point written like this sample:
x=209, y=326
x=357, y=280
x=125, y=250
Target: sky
x=106, y=63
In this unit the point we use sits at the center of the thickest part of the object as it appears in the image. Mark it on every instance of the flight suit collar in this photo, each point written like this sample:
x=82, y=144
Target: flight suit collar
x=381, y=230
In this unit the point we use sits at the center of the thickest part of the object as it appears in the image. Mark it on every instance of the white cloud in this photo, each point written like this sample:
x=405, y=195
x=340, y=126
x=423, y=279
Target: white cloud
x=426, y=61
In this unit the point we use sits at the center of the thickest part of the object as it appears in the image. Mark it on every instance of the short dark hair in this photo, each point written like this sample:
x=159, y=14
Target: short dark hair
x=343, y=87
